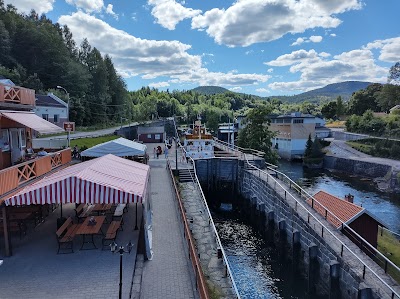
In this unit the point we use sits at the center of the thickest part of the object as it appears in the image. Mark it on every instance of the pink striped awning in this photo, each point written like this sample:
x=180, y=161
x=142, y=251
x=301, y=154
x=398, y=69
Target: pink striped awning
x=108, y=179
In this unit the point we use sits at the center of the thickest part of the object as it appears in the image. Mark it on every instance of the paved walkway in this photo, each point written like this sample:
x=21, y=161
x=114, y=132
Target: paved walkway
x=339, y=148
x=169, y=273
x=36, y=271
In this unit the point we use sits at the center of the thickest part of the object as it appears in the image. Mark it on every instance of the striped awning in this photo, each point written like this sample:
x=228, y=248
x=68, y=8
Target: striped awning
x=31, y=120
x=108, y=179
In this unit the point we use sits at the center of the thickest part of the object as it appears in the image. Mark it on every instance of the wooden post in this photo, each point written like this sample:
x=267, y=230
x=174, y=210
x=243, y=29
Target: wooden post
x=7, y=240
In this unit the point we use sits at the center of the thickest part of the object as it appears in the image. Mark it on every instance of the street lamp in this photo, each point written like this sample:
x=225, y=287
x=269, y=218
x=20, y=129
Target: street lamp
x=66, y=92
x=121, y=251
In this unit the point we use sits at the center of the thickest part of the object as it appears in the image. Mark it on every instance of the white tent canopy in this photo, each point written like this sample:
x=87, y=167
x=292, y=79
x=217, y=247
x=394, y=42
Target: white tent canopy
x=119, y=147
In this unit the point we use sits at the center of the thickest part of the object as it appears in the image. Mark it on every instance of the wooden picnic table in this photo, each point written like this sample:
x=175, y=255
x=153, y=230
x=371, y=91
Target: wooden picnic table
x=102, y=208
x=87, y=230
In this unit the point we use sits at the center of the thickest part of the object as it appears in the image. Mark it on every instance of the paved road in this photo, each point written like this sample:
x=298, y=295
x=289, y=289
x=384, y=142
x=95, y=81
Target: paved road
x=339, y=148
x=168, y=275
x=96, y=133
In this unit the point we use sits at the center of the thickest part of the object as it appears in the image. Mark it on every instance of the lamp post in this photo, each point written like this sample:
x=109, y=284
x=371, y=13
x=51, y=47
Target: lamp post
x=66, y=92
x=121, y=251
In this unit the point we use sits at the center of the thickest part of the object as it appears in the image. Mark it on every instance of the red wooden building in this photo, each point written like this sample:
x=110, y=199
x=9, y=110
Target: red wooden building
x=345, y=211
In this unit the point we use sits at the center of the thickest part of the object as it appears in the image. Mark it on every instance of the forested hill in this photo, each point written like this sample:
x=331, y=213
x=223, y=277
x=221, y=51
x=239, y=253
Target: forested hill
x=37, y=54
x=329, y=92
x=207, y=90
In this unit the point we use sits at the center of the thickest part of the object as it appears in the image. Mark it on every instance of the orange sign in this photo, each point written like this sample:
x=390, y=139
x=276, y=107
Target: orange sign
x=69, y=126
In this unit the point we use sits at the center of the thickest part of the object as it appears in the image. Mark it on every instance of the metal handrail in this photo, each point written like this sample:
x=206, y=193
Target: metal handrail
x=343, y=224
x=394, y=293
x=202, y=285
x=211, y=222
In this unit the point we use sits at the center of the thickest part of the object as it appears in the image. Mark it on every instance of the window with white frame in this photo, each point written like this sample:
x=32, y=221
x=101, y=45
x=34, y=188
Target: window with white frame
x=45, y=116
x=56, y=118
x=22, y=137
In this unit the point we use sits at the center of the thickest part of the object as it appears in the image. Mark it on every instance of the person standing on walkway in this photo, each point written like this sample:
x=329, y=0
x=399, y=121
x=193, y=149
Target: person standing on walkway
x=166, y=152
x=154, y=153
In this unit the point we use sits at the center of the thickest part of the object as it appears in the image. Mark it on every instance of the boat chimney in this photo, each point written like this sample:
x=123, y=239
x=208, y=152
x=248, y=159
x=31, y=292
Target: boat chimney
x=349, y=198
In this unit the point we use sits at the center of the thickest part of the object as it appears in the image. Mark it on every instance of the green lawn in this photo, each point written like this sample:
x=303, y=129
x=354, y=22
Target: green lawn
x=361, y=147
x=389, y=246
x=83, y=143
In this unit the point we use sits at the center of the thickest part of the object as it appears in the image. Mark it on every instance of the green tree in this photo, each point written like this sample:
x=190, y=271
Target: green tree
x=256, y=135
x=309, y=145
x=365, y=99
x=329, y=110
x=394, y=74
x=340, y=108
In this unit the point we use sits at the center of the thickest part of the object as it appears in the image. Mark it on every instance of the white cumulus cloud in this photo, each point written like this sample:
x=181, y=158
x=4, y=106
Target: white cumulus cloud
x=150, y=59
x=316, y=38
x=317, y=69
x=87, y=5
x=25, y=6
x=168, y=13
x=159, y=84
x=236, y=88
x=253, y=21
x=262, y=90
x=110, y=11
x=389, y=49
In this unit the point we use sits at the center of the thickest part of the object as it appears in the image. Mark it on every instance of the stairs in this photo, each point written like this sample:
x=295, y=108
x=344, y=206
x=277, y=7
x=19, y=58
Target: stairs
x=186, y=175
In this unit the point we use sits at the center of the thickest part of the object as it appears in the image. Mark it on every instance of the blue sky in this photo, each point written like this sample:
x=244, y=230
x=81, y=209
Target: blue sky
x=263, y=47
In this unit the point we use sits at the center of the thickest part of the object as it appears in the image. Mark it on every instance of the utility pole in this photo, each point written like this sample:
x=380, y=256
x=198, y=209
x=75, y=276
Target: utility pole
x=67, y=94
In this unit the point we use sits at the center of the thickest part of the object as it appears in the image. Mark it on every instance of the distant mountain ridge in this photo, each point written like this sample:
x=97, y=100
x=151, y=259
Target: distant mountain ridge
x=207, y=90
x=328, y=92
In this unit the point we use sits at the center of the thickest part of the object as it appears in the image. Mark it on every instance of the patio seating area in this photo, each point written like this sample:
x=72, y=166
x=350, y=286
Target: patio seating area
x=35, y=270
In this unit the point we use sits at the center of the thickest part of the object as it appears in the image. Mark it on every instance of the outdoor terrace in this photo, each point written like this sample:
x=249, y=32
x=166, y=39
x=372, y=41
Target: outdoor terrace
x=35, y=270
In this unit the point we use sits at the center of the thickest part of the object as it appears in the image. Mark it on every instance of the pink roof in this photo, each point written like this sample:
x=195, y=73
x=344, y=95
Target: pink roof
x=108, y=179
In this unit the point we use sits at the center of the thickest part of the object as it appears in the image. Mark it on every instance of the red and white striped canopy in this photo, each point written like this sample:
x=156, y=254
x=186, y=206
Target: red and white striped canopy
x=108, y=179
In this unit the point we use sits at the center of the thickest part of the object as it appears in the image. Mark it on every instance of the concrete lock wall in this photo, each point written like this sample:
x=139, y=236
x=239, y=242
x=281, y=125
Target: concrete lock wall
x=325, y=271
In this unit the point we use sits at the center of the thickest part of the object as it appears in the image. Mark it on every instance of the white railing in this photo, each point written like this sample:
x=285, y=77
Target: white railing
x=324, y=229
x=229, y=272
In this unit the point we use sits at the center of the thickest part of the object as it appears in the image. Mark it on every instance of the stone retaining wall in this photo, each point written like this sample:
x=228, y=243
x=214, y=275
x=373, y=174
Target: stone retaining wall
x=317, y=255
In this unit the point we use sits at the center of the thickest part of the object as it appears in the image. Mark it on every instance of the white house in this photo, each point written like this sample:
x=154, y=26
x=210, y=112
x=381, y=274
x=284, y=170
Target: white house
x=51, y=108
x=292, y=133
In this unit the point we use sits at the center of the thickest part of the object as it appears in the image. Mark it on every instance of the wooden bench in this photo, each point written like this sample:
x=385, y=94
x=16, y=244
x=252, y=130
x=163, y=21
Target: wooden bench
x=79, y=212
x=65, y=235
x=111, y=233
x=118, y=213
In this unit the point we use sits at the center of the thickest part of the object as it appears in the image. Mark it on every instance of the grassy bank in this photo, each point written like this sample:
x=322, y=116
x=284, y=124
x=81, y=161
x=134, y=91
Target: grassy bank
x=389, y=246
x=382, y=148
x=84, y=143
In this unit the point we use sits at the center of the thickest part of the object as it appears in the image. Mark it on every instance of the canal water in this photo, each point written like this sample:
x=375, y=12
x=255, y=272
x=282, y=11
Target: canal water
x=258, y=267
x=386, y=207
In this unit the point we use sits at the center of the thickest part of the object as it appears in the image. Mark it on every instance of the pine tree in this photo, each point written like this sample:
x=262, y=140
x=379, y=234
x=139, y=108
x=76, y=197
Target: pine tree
x=309, y=145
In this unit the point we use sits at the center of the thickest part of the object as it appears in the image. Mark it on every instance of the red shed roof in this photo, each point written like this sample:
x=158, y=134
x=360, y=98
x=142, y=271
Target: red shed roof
x=344, y=211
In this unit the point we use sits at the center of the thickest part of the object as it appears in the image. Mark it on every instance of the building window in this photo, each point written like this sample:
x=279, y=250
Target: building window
x=56, y=118
x=22, y=137
x=157, y=136
x=45, y=116
x=149, y=136
x=298, y=121
x=4, y=140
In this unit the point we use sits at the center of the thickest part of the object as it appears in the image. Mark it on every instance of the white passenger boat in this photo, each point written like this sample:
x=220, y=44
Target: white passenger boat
x=198, y=143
